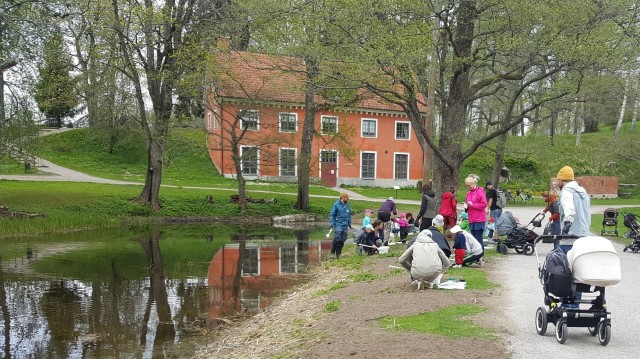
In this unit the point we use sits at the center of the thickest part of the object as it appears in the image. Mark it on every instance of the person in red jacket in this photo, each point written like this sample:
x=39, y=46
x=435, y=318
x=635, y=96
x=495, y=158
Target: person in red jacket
x=554, y=209
x=448, y=209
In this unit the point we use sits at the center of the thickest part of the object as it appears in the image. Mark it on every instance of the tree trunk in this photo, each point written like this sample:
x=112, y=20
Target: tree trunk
x=579, y=116
x=552, y=125
x=622, y=110
x=308, y=129
x=151, y=191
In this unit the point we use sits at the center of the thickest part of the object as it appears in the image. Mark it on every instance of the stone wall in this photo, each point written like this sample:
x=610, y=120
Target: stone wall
x=596, y=186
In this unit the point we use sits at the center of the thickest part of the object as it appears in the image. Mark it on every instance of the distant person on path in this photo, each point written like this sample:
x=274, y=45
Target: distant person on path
x=385, y=211
x=575, y=206
x=554, y=210
x=492, y=207
x=340, y=217
x=425, y=260
x=449, y=209
x=476, y=202
x=427, y=207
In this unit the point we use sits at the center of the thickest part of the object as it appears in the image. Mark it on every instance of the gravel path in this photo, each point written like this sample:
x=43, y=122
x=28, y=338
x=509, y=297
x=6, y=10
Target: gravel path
x=523, y=295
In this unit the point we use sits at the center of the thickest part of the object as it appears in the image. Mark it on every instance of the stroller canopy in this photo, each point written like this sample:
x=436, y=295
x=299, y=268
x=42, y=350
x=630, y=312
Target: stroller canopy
x=505, y=224
x=594, y=261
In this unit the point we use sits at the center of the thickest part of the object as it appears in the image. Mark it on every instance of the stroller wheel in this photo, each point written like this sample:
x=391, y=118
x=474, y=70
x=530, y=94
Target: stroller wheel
x=503, y=248
x=561, y=331
x=593, y=330
x=518, y=250
x=541, y=320
x=625, y=249
x=604, y=332
x=528, y=249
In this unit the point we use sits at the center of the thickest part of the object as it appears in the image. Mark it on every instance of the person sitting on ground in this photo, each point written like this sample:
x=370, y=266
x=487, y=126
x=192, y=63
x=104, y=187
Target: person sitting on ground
x=403, y=223
x=371, y=240
x=473, y=250
x=425, y=260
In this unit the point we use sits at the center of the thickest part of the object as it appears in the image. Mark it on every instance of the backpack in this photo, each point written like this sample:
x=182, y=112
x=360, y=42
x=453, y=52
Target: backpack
x=556, y=273
x=501, y=199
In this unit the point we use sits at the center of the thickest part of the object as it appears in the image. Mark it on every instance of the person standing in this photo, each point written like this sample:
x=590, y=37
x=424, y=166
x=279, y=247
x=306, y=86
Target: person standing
x=340, y=217
x=476, y=203
x=492, y=207
x=575, y=207
x=554, y=210
x=427, y=208
x=449, y=209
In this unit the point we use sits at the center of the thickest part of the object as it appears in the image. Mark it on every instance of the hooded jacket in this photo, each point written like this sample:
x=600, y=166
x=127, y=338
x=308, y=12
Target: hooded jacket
x=477, y=210
x=575, y=206
x=428, y=205
x=424, y=258
x=448, y=207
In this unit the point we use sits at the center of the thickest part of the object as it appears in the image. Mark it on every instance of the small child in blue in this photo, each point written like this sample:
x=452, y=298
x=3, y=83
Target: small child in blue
x=367, y=218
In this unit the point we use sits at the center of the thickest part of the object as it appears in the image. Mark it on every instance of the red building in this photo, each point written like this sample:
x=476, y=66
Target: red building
x=264, y=94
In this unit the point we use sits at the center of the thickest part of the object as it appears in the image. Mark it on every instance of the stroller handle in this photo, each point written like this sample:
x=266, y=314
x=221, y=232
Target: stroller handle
x=552, y=238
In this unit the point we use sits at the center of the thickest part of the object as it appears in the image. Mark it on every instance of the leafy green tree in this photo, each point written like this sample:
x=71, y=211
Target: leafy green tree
x=55, y=92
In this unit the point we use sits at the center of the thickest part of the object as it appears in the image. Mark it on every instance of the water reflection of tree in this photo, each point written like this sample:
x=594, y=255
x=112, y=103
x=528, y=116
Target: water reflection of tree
x=61, y=307
x=6, y=318
x=165, y=330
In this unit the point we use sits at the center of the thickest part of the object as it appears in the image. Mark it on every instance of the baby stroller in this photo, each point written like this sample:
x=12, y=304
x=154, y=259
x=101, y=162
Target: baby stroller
x=631, y=222
x=518, y=237
x=610, y=219
x=589, y=267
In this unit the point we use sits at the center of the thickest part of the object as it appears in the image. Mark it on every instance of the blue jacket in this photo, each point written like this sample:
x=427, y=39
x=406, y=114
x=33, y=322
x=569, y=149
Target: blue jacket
x=340, y=215
x=460, y=242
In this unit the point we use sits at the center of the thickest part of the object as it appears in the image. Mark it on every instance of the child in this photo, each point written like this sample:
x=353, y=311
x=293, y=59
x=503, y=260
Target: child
x=464, y=221
x=413, y=227
x=404, y=227
x=371, y=240
x=459, y=246
x=367, y=217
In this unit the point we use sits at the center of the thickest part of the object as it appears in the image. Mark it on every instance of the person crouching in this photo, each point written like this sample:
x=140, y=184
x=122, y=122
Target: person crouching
x=425, y=260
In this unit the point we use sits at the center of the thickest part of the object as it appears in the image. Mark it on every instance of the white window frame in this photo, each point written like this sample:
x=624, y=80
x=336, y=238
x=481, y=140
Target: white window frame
x=395, y=131
x=362, y=127
x=242, y=273
x=257, y=120
x=295, y=264
x=280, y=121
x=215, y=120
x=408, y=164
x=337, y=162
x=295, y=155
x=242, y=147
x=375, y=164
x=322, y=124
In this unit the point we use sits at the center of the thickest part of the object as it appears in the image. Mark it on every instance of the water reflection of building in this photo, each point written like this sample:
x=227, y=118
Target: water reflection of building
x=247, y=276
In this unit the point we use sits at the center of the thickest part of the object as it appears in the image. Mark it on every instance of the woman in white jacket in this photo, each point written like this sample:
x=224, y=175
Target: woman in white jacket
x=424, y=259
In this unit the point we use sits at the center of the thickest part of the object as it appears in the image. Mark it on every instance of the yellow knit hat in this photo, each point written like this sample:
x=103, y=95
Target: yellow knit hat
x=565, y=174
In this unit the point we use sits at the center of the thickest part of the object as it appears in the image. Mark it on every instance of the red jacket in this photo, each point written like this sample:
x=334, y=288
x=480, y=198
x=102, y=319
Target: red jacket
x=448, y=207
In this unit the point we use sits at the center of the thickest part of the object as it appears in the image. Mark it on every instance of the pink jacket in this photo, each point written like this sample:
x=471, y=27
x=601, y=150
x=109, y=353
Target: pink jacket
x=477, y=211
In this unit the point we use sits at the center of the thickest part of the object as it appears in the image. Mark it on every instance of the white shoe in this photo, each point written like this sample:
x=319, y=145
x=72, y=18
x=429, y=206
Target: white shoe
x=456, y=266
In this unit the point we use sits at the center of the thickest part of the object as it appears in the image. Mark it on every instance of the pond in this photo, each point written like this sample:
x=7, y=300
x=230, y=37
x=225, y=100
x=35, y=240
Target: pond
x=142, y=293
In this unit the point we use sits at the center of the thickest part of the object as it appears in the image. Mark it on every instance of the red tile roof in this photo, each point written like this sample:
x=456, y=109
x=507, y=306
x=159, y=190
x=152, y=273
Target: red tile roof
x=277, y=78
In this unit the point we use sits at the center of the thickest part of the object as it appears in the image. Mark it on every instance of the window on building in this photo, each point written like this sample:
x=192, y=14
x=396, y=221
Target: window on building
x=287, y=162
x=329, y=156
x=368, y=165
x=250, y=261
x=402, y=130
x=209, y=122
x=250, y=300
x=369, y=128
x=215, y=120
x=288, y=122
x=249, y=120
x=288, y=260
x=401, y=166
x=249, y=160
x=329, y=124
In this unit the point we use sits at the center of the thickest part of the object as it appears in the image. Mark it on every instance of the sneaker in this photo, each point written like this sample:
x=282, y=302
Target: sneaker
x=456, y=266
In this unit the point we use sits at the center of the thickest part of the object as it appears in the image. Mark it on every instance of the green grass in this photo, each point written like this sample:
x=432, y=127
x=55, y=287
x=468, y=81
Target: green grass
x=332, y=306
x=476, y=278
x=341, y=284
x=450, y=322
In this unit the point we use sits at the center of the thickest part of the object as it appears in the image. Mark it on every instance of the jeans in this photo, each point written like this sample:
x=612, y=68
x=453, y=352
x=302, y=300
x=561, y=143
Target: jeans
x=339, y=237
x=495, y=214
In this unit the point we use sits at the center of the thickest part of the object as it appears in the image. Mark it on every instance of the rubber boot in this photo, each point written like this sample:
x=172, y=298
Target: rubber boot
x=338, y=252
x=332, y=255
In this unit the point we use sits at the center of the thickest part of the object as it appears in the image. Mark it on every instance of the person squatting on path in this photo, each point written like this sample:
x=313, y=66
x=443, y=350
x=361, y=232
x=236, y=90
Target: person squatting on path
x=476, y=203
x=340, y=217
x=472, y=251
x=427, y=207
x=425, y=260
x=553, y=209
x=448, y=209
x=492, y=207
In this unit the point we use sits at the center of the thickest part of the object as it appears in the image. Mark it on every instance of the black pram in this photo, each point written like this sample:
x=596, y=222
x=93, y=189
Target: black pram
x=591, y=265
x=631, y=222
x=518, y=237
